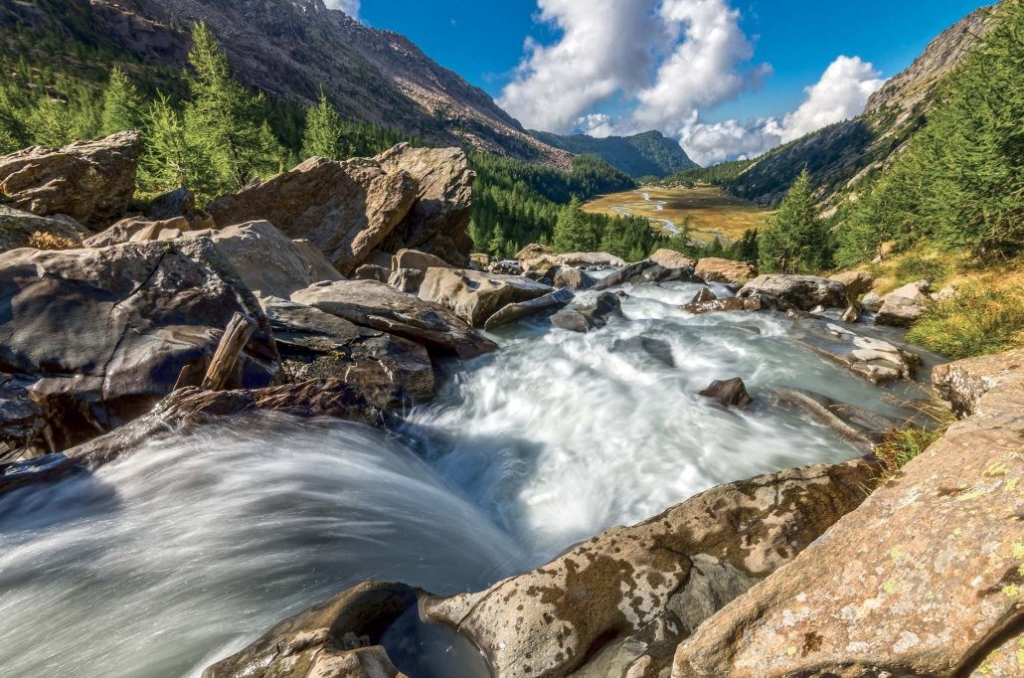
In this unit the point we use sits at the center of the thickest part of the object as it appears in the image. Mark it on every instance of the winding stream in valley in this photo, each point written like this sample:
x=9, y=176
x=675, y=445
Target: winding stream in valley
x=182, y=553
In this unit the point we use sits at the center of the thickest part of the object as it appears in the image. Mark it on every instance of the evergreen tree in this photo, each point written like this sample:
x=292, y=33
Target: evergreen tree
x=170, y=158
x=122, y=105
x=795, y=238
x=221, y=118
x=324, y=136
x=51, y=124
x=14, y=133
x=573, y=231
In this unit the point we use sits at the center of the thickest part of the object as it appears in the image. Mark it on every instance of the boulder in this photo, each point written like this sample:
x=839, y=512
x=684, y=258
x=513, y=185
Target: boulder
x=802, y=291
x=513, y=312
x=730, y=393
x=180, y=202
x=377, y=306
x=703, y=296
x=481, y=260
x=406, y=280
x=567, y=276
x=505, y=267
x=635, y=592
x=876, y=360
x=19, y=229
x=673, y=259
x=372, y=272
x=963, y=384
x=22, y=420
x=726, y=271
x=90, y=181
x=904, y=306
x=727, y=305
x=416, y=260
x=923, y=579
x=647, y=272
x=591, y=260
x=855, y=282
x=104, y=333
x=872, y=302
x=439, y=218
x=536, y=256
x=389, y=371
x=475, y=296
x=137, y=229
x=346, y=209
x=339, y=638
x=588, y=318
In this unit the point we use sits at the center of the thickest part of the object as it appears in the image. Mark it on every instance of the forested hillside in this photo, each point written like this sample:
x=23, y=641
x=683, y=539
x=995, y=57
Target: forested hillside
x=650, y=154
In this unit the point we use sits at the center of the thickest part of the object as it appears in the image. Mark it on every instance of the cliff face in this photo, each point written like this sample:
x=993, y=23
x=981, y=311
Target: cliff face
x=840, y=155
x=289, y=49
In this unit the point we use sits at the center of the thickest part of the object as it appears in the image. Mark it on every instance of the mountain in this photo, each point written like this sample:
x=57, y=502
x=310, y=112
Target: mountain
x=289, y=49
x=641, y=155
x=841, y=155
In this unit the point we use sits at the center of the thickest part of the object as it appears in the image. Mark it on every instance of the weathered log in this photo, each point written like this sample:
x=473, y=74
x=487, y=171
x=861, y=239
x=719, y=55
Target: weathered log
x=236, y=336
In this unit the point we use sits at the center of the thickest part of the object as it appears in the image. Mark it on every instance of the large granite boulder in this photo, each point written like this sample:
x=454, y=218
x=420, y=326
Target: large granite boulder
x=439, y=219
x=406, y=259
x=138, y=229
x=389, y=371
x=90, y=181
x=647, y=272
x=924, y=579
x=181, y=202
x=104, y=333
x=346, y=209
x=903, y=307
x=567, y=276
x=962, y=384
x=337, y=639
x=631, y=594
x=714, y=269
x=377, y=306
x=805, y=292
x=673, y=259
x=19, y=229
x=594, y=316
x=475, y=296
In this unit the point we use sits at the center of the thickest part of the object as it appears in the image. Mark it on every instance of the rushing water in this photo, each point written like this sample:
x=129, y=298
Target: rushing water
x=185, y=551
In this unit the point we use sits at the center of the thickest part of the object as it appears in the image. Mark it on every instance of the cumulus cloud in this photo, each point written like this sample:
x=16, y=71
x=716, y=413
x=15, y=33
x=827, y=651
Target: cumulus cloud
x=350, y=7
x=840, y=94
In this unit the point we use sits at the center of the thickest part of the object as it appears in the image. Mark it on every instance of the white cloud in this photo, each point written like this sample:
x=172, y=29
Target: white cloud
x=597, y=125
x=350, y=7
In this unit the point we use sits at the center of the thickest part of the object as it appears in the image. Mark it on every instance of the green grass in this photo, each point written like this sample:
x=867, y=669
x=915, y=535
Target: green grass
x=976, y=322
x=914, y=268
x=900, y=447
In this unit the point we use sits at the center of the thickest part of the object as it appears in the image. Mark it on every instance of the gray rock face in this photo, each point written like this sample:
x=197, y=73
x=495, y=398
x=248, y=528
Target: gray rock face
x=628, y=596
x=389, y=371
x=104, y=333
x=802, y=291
x=475, y=296
x=17, y=228
x=513, y=312
x=377, y=306
x=904, y=306
x=90, y=181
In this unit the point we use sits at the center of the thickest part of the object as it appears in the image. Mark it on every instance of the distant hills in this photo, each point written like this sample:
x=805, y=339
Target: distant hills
x=640, y=155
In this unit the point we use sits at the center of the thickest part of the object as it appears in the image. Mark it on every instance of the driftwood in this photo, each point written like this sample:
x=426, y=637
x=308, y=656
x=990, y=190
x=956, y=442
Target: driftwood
x=236, y=336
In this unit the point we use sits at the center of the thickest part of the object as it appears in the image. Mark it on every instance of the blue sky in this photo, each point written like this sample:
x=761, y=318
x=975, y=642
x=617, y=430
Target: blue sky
x=765, y=53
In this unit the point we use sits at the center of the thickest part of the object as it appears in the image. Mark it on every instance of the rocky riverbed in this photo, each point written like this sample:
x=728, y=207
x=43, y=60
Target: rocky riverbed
x=420, y=465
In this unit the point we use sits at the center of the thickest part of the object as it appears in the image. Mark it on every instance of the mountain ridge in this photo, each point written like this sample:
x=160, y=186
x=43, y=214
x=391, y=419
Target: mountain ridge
x=639, y=155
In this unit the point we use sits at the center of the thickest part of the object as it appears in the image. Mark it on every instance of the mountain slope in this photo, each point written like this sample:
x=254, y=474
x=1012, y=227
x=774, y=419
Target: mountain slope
x=841, y=155
x=641, y=155
x=289, y=49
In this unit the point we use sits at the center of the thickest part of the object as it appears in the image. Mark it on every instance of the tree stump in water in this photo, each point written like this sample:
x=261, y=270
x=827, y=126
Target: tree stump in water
x=236, y=336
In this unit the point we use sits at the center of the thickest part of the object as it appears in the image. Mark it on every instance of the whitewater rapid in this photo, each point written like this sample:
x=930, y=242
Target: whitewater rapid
x=186, y=550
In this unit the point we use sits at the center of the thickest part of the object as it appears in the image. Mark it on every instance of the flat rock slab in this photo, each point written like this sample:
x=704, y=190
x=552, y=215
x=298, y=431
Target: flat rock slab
x=630, y=594
x=878, y=361
x=924, y=579
x=475, y=296
x=90, y=181
x=805, y=292
x=851, y=422
x=371, y=304
x=514, y=312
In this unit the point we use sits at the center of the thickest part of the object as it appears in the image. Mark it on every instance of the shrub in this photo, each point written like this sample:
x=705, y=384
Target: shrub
x=48, y=241
x=976, y=322
x=900, y=447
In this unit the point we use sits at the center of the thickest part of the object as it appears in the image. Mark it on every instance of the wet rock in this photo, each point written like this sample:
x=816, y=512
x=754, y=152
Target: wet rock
x=718, y=270
x=647, y=272
x=904, y=306
x=90, y=181
x=377, y=306
x=730, y=393
x=855, y=282
x=572, y=320
x=406, y=280
x=860, y=426
x=802, y=291
x=878, y=361
x=963, y=384
x=703, y=296
x=346, y=209
x=872, y=302
x=505, y=267
x=103, y=334
x=729, y=304
x=340, y=638
x=593, y=317
x=673, y=259
x=850, y=315
x=567, y=276
x=22, y=420
x=137, y=229
x=514, y=312
x=923, y=579
x=658, y=349
x=438, y=221
x=17, y=229
x=590, y=260
x=372, y=272
x=475, y=296
x=636, y=591
x=389, y=371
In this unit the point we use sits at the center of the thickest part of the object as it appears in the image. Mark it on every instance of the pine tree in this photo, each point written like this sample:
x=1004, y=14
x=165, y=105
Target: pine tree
x=221, y=118
x=122, y=105
x=14, y=133
x=573, y=231
x=324, y=132
x=51, y=124
x=170, y=159
x=795, y=238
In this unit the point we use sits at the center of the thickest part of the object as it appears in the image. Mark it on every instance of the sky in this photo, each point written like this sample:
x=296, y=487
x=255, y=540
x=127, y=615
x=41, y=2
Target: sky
x=727, y=78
